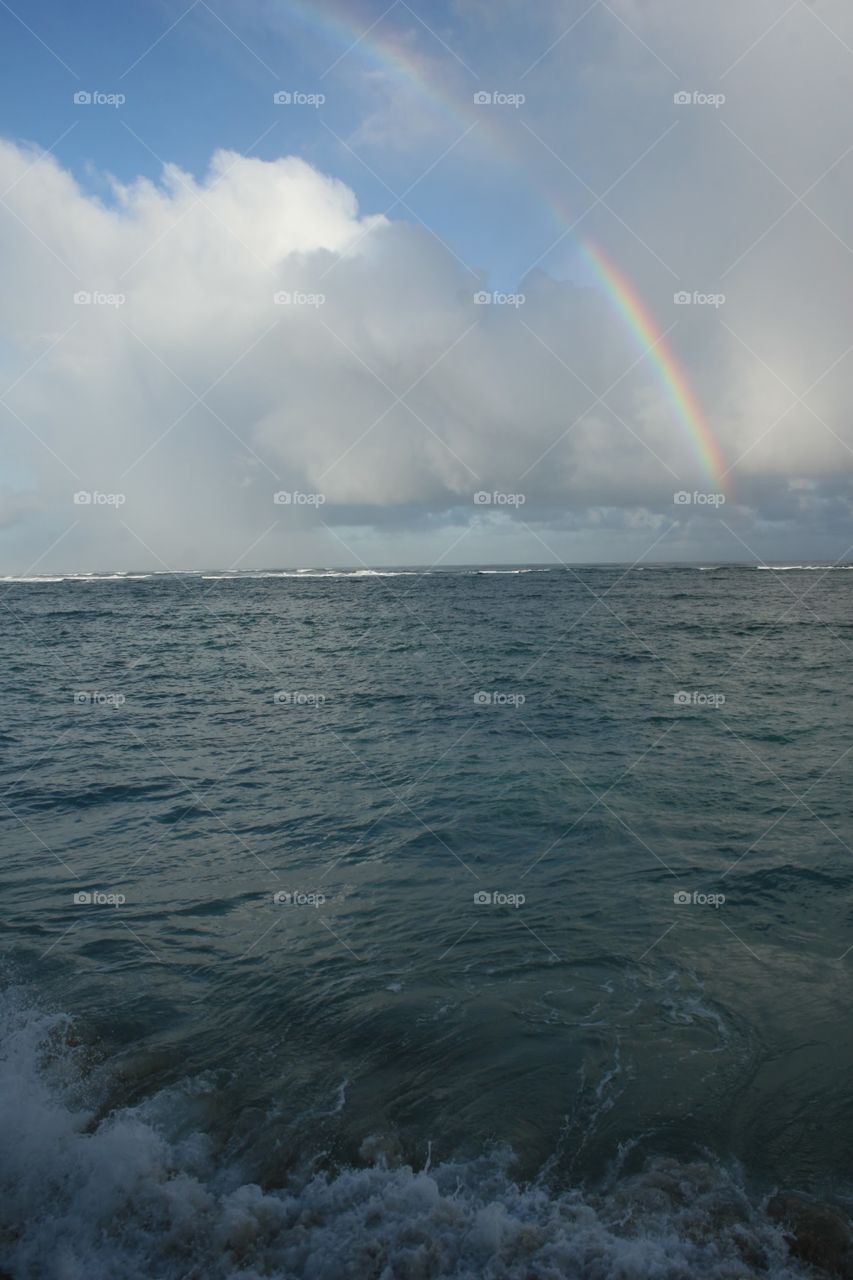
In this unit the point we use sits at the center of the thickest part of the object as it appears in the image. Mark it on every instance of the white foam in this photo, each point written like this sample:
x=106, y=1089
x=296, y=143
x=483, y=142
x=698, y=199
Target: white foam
x=313, y=573
x=119, y=1195
x=243, y=575
x=78, y=577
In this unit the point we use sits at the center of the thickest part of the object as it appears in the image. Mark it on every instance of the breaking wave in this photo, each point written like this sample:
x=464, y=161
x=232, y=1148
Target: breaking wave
x=130, y=1192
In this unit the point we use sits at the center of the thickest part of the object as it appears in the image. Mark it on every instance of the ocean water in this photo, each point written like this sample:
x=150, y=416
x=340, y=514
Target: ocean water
x=450, y=924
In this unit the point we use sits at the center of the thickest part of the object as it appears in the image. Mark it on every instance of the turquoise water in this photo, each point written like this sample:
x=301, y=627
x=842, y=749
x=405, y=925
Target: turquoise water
x=403, y=924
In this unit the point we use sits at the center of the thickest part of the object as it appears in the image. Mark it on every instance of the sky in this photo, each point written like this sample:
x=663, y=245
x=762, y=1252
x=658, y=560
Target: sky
x=366, y=283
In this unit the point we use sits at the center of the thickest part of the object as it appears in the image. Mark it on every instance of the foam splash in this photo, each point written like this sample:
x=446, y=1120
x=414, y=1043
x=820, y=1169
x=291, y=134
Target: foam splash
x=119, y=1195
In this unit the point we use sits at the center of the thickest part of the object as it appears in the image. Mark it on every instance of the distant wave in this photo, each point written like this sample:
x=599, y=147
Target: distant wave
x=78, y=577
x=344, y=574
x=312, y=573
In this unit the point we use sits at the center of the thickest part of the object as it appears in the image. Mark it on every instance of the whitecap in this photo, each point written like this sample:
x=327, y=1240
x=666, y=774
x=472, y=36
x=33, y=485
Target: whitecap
x=123, y=1191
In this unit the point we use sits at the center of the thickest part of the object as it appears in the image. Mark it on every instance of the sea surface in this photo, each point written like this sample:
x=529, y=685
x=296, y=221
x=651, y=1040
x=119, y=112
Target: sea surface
x=395, y=924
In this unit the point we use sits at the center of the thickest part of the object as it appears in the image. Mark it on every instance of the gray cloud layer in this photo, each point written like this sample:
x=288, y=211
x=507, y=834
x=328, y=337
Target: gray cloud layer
x=397, y=397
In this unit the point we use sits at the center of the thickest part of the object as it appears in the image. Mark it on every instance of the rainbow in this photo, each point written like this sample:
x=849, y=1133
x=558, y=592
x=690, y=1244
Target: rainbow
x=387, y=54
x=399, y=61
x=671, y=377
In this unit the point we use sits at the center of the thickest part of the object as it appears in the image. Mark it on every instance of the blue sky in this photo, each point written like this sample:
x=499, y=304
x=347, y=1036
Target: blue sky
x=198, y=78
x=397, y=199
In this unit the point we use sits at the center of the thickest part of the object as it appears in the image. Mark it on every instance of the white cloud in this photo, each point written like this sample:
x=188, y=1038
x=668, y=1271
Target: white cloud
x=301, y=396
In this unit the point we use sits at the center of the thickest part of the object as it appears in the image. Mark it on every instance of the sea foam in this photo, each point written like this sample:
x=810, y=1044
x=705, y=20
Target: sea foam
x=88, y=1191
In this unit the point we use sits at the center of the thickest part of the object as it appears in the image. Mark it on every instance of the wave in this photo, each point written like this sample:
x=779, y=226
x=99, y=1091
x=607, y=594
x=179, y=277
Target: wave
x=78, y=577
x=256, y=575
x=299, y=574
x=313, y=573
x=130, y=1192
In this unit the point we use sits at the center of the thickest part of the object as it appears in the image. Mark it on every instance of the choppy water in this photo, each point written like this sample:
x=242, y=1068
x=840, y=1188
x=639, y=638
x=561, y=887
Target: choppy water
x=378, y=1075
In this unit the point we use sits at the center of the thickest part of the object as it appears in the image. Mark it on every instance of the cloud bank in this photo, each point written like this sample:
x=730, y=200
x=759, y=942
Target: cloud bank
x=192, y=347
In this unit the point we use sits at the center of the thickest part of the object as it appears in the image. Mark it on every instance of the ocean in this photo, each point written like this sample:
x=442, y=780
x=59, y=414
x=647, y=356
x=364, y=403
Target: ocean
x=403, y=925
